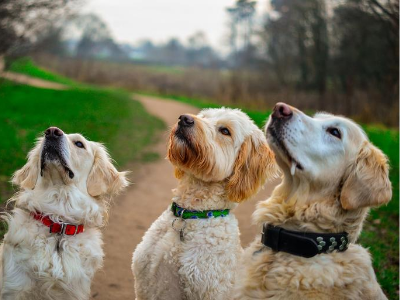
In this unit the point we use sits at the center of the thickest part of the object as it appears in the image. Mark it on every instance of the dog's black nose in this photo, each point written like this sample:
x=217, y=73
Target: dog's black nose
x=53, y=132
x=186, y=120
x=282, y=111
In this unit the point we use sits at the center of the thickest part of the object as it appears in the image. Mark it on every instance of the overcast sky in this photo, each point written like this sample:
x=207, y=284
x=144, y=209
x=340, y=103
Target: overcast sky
x=159, y=20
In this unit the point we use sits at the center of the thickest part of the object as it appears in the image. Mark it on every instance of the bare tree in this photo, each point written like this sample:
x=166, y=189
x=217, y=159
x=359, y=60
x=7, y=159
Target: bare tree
x=241, y=29
x=23, y=22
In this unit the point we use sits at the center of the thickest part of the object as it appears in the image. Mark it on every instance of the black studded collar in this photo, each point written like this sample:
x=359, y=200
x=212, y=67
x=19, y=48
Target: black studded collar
x=305, y=244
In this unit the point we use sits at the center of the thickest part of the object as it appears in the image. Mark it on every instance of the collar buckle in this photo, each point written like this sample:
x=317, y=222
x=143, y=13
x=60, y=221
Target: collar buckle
x=63, y=228
x=60, y=228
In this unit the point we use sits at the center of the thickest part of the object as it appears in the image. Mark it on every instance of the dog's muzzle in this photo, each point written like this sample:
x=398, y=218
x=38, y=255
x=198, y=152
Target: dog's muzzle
x=184, y=127
x=54, y=150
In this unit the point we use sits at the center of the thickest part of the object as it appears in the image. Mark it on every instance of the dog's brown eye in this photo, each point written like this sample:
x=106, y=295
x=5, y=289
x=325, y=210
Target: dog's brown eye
x=79, y=144
x=224, y=131
x=335, y=132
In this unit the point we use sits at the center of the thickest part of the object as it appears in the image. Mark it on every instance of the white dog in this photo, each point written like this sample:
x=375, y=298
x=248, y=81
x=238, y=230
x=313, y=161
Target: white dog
x=191, y=250
x=308, y=250
x=53, y=245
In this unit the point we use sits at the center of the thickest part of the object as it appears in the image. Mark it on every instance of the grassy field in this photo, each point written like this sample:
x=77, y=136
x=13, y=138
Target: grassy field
x=381, y=230
x=254, y=89
x=26, y=66
x=380, y=233
x=108, y=116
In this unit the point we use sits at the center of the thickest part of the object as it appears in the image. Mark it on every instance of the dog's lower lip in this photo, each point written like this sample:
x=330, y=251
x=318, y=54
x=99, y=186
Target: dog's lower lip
x=182, y=135
x=282, y=146
x=179, y=134
x=298, y=165
x=185, y=139
x=70, y=173
x=54, y=156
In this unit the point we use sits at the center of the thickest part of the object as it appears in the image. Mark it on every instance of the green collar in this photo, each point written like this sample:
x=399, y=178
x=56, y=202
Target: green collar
x=180, y=212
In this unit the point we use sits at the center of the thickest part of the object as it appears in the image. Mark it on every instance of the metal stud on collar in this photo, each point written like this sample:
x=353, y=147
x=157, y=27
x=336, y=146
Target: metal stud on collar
x=344, y=243
x=321, y=243
x=333, y=244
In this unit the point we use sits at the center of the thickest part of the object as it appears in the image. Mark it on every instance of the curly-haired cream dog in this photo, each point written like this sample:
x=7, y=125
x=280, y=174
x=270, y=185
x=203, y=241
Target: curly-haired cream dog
x=308, y=250
x=53, y=245
x=191, y=250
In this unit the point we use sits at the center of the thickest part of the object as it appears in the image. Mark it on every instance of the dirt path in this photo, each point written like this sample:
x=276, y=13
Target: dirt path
x=145, y=200
x=36, y=82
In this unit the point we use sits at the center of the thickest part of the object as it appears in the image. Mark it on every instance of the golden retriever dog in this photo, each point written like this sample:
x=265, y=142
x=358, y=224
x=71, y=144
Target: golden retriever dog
x=332, y=174
x=53, y=246
x=191, y=251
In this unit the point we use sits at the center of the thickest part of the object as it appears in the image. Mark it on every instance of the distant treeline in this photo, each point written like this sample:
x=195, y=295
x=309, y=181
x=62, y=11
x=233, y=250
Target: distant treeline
x=344, y=51
x=341, y=56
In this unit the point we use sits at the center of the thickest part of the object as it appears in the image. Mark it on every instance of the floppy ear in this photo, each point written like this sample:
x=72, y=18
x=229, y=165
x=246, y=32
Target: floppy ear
x=367, y=182
x=254, y=163
x=27, y=176
x=104, y=177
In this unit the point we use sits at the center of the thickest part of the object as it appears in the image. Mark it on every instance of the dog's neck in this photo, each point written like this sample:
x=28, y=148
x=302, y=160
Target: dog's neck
x=195, y=194
x=62, y=203
x=291, y=208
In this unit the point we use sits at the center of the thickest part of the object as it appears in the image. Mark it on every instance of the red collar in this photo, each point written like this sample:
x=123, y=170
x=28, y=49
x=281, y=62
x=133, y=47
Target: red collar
x=60, y=228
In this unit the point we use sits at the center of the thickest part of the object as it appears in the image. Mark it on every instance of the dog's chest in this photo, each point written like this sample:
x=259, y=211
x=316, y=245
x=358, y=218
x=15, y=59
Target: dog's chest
x=201, y=266
x=286, y=276
x=208, y=253
x=66, y=256
x=54, y=256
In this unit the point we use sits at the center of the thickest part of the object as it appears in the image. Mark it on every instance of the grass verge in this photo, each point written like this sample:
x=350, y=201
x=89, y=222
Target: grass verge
x=26, y=66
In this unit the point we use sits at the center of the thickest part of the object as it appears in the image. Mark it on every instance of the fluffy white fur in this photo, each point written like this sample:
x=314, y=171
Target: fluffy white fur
x=31, y=267
x=216, y=170
x=329, y=184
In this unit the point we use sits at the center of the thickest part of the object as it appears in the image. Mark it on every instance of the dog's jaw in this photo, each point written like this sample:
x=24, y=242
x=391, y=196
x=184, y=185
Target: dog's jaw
x=188, y=150
x=196, y=194
x=276, y=140
x=54, y=160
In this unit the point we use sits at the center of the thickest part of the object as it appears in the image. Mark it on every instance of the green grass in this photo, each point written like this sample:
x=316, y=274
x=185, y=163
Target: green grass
x=381, y=229
x=26, y=66
x=105, y=115
x=380, y=232
x=100, y=115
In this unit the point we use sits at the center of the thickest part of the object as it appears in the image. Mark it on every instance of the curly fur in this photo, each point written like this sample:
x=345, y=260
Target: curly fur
x=211, y=168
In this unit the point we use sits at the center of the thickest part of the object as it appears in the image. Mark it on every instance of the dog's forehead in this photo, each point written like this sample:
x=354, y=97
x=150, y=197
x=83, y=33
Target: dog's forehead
x=76, y=137
x=227, y=116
